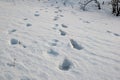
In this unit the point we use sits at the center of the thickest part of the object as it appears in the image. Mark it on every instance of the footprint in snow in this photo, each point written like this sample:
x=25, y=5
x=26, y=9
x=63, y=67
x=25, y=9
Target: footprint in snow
x=86, y=21
x=37, y=13
x=14, y=41
x=11, y=64
x=116, y=34
x=76, y=45
x=60, y=10
x=56, y=12
x=63, y=33
x=25, y=19
x=54, y=42
x=64, y=26
x=80, y=18
x=28, y=24
x=56, y=18
x=53, y=52
x=12, y=31
x=55, y=27
x=61, y=16
x=109, y=32
x=66, y=65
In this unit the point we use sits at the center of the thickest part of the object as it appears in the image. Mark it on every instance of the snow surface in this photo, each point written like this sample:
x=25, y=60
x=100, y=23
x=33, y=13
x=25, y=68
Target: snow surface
x=43, y=42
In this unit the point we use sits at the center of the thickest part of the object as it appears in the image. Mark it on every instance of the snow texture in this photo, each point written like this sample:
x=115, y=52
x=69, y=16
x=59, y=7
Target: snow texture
x=47, y=40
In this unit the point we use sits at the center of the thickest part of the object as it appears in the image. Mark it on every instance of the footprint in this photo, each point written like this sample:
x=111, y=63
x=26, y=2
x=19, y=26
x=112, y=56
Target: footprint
x=76, y=45
x=28, y=24
x=109, y=31
x=24, y=46
x=86, y=21
x=14, y=41
x=56, y=25
x=57, y=7
x=25, y=19
x=55, y=40
x=80, y=18
x=53, y=52
x=56, y=12
x=60, y=10
x=66, y=65
x=116, y=34
x=61, y=16
x=13, y=30
x=36, y=14
x=54, y=44
x=56, y=18
x=11, y=64
x=63, y=33
x=64, y=26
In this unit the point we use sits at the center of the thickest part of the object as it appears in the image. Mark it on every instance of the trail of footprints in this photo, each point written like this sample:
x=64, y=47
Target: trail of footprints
x=66, y=64
x=15, y=41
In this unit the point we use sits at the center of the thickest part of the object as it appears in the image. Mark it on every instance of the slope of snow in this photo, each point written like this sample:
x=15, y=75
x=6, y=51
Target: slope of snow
x=39, y=42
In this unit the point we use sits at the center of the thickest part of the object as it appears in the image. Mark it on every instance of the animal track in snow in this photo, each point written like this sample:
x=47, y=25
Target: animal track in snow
x=61, y=16
x=116, y=34
x=14, y=41
x=56, y=18
x=86, y=21
x=53, y=52
x=11, y=64
x=54, y=42
x=13, y=30
x=56, y=12
x=66, y=65
x=60, y=10
x=64, y=26
x=37, y=13
x=63, y=33
x=25, y=19
x=55, y=27
x=109, y=31
x=76, y=45
x=28, y=24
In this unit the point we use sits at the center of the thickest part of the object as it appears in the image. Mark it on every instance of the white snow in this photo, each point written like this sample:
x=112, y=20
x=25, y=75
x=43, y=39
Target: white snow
x=43, y=42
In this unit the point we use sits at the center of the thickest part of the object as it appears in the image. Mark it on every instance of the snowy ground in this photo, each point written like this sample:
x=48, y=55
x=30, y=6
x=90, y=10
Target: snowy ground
x=39, y=42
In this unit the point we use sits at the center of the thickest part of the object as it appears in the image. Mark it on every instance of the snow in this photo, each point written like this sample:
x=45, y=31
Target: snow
x=43, y=42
